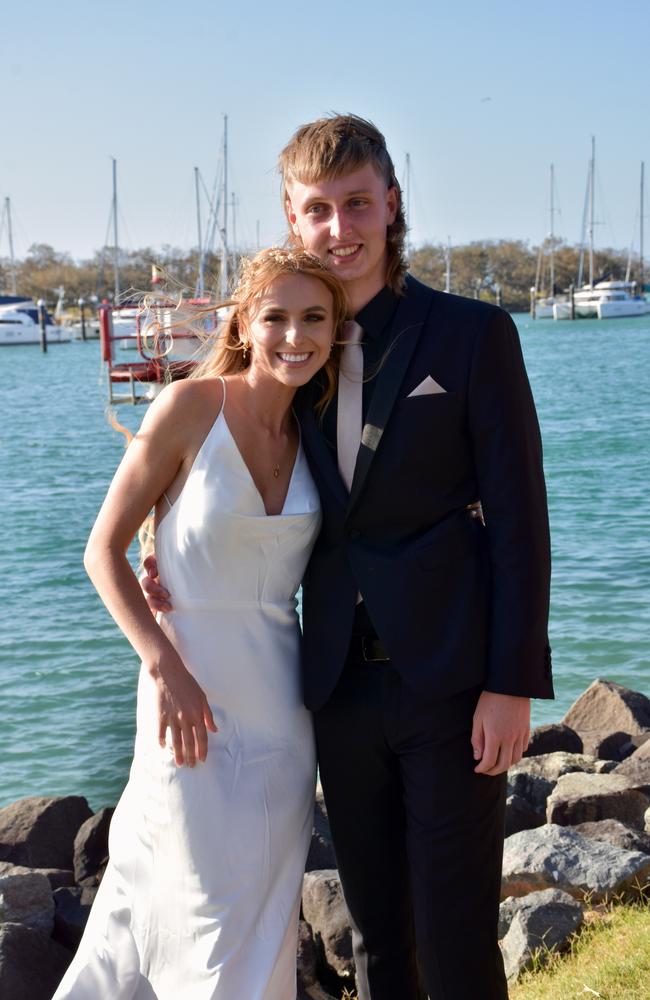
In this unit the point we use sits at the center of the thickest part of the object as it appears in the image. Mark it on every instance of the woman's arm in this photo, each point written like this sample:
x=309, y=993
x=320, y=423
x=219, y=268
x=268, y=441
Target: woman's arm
x=163, y=446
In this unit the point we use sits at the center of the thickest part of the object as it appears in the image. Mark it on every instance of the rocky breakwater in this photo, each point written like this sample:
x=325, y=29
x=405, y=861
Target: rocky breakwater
x=53, y=852
x=577, y=826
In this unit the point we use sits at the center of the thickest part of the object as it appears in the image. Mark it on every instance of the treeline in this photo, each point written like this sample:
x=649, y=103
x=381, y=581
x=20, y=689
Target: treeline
x=480, y=269
x=486, y=269
x=44, y=270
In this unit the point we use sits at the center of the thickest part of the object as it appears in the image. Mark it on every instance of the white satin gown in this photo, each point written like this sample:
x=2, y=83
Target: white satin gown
x=201, y=898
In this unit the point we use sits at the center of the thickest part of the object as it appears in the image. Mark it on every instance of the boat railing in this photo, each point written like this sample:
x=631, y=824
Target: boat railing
x=140, y=380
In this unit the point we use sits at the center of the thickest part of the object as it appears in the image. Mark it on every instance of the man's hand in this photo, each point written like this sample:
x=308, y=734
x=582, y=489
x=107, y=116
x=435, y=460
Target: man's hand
x=157, y=597
x=500, y=732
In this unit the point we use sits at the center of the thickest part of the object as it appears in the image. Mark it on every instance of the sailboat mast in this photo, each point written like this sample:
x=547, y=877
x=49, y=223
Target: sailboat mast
x=552, y=253
x=641, y=281
x=233, y=215
x=116, y=265
x=12, y=260
x=224, y=241
x=448, y=265
x=408, y=202
x=200, y=283
x=592, y=184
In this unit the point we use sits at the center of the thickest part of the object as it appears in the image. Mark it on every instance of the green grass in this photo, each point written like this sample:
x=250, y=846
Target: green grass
x=608, y=959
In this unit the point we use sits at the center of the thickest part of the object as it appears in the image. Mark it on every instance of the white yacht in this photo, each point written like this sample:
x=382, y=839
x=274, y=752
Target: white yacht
x=604, y=300
x=19, y=324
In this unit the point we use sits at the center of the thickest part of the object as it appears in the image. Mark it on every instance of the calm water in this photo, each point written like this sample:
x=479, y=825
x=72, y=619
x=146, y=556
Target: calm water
x=67, y=678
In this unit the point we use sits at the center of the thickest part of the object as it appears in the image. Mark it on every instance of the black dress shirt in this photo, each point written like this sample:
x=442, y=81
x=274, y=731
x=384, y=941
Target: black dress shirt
x=376, y=320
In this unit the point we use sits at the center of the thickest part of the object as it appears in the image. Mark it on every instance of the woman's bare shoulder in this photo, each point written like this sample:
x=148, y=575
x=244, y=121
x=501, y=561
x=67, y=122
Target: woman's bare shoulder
x=188, y=396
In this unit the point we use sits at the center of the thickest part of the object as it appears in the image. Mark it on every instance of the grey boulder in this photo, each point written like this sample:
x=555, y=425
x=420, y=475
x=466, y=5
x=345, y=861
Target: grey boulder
x=308, y=986
x=611, y=831
x=91, y=848
x=606, y=708
x=637, y=766
x=26, y=898
x=551, y=738
x=585, y=798
x=31, y=964
x=321, y=854
x=538, y=923
x=617, y=746
x=534, y=778
x=520, y=815
x=325, y=911
x=57, y=877
x=556, y=857
x=39, y=832
x=72, y=907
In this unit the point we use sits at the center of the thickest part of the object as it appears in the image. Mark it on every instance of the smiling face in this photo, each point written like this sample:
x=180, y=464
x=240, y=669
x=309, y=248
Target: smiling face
x=344, y=222
x=290, y=330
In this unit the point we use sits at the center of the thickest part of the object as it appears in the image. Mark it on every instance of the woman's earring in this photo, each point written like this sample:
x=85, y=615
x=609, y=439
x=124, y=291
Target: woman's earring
x=245, y=351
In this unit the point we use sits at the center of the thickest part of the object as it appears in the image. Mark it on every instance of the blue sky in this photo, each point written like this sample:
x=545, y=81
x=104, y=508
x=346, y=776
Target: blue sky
x=484, y=96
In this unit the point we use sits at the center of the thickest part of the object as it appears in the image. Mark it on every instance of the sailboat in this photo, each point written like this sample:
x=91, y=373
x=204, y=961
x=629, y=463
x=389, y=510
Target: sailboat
x=604, y=299
x=542, y=305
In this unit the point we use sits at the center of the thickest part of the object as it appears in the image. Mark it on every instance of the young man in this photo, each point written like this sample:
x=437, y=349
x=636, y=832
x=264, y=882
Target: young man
x=424, y=620
x=420, y=691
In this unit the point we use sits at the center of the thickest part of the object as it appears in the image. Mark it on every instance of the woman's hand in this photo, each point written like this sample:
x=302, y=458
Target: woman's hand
x=183, y=708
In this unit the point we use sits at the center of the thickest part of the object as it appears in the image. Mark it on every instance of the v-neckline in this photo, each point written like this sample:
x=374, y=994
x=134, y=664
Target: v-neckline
x=222, y=415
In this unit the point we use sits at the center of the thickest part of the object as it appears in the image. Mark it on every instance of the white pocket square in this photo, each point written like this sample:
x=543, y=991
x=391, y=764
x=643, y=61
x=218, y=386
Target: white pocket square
x=426, y=388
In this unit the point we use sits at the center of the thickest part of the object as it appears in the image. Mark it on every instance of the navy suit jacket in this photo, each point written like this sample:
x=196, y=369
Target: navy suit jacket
x=455, y=603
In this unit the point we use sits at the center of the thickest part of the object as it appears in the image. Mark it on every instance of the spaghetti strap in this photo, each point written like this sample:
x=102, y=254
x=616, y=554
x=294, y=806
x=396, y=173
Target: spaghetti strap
x=221, y=410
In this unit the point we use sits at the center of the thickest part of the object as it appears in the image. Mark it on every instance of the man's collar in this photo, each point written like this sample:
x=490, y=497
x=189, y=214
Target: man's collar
x=377, y=314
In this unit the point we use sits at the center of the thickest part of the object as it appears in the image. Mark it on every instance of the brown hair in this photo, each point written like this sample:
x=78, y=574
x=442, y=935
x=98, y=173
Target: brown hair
x=332, y=147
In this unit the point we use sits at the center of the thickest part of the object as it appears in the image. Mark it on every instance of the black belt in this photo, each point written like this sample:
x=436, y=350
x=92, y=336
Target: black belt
x=367, y=648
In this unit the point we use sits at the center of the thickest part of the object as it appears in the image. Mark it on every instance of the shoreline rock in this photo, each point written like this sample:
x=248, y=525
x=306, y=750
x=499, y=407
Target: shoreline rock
x=578, y=819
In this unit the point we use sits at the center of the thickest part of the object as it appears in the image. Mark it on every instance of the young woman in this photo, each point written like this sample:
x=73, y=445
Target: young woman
x=208, y=842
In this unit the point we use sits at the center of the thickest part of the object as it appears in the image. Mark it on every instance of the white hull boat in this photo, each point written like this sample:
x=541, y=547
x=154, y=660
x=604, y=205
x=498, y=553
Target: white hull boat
x=605, y=300
x=19, y=325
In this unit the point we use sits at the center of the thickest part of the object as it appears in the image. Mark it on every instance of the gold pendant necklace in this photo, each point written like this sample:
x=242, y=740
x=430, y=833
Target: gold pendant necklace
x=276, y=471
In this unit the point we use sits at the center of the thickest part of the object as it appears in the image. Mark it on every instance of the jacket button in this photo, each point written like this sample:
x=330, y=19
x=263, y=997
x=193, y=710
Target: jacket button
x=355, y=533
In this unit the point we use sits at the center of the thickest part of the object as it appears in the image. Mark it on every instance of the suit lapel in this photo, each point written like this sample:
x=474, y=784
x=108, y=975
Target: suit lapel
x=407, y=326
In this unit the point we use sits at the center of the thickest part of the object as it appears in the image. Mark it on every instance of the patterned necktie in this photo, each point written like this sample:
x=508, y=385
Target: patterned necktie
x=349, y=417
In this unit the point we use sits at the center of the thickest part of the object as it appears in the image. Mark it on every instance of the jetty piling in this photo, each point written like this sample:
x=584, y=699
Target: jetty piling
x=82, y=309
x=43, y=321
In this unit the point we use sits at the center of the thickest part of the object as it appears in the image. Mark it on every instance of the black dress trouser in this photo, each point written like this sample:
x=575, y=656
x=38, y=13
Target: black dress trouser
x=418, y=838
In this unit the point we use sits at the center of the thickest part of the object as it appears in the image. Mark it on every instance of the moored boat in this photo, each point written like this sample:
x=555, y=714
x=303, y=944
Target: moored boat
x=604, y=300
x=20, y=324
